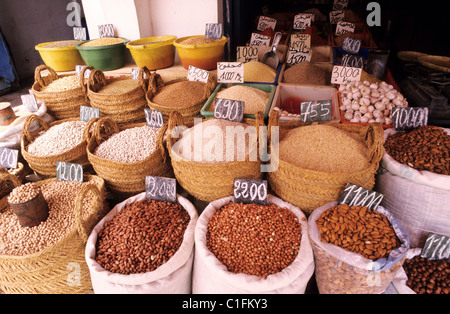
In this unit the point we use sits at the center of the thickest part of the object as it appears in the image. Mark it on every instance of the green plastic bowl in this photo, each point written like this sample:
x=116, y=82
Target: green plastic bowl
x=104, y=58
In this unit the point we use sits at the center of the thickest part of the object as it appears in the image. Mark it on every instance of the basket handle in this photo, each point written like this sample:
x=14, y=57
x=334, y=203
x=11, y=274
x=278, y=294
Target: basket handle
x=103, y=129
x=175, y=119
x=160, y=141
x=143, y=77
x=27, y=134
x=96, y=80
x=78, y=210
x=82, y=81
x=155, y=82
x=374, y=139
x=38, y=74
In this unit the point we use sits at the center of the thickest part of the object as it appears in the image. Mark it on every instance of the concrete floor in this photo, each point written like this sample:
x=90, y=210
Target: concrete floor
x=13, y=97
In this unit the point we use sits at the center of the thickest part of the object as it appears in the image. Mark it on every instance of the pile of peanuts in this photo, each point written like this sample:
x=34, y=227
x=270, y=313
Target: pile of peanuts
x=58, y=139
x=60, y=196
x=141, y=237
x=359, y=230
x=427, y=276
x=254, y=239
x=424, y=148
x=24, y=193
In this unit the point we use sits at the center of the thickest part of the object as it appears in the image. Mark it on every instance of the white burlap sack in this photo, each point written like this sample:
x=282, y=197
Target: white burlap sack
x=339, y=271
x=400, y=279
x=211, y=276
x=173, y=277
x=419, y=200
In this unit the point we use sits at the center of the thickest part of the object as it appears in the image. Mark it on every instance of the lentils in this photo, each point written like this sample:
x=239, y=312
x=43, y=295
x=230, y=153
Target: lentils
x=427, y=276
x=62, y=84
x=130, y=145
x=24, y=193
x=424, y=148
x=141, y=237
x=60, y=196
x=254, y=239
x=359, y=230
x=58, y=139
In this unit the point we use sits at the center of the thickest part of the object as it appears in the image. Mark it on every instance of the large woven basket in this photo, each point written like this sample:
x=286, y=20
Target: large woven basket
x=211, y=181
x=45, y=167
x=310, y=189
x=124, y=107
x=188, y=111
x=127, y=179
x=64, y=104
x=61, y=268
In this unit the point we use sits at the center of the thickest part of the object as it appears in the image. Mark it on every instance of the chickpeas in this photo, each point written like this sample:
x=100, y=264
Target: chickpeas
x=254, y=239
x=24, y=193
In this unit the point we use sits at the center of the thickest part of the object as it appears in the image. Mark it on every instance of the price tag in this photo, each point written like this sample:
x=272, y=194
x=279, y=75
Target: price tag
x=355, y=195
x=436, y=247
x=230, y=72
x=78, y=69
x=79, y=33
x=8, y=157
x=345, y=27
x=336, y=16
x=352, y=61
x=295, y=56
x=300, y=41
x=302, y=21
x=197, y=74
x=88, y=113
x=344, y=75
x=315, y=111
x=29, y=101
x=266, y=22
x=106, y=30
x=340, y=5
x=246, y=54
x=161, y=189
x=260, y=40
x=351, y=45
x=250, y=191
x=409, y=117
x=213, y=30
x=154, y=118
x=66, y=171
x=228, y=109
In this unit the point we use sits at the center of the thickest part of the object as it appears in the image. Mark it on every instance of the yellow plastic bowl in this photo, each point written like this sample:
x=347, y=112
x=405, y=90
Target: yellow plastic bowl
x=153, y=52
x=60, y=59
x=203, y=56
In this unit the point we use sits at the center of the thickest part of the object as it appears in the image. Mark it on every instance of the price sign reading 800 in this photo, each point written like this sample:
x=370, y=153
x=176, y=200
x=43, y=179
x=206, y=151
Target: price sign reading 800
x=250, y=191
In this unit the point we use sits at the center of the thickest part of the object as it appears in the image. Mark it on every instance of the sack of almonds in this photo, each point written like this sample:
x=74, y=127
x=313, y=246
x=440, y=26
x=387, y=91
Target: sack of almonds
x=62, y=94
x=251, y=248
x=356, y=250
x=143, y=246
x=415, y=180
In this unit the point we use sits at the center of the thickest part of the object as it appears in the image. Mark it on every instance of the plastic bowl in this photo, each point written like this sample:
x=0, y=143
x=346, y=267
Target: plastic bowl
x=153, y=52
x=104, y=58
x=203, y=56
x=60, y=59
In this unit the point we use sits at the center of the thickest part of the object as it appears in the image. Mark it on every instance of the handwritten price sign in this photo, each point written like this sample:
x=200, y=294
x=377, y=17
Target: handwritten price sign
x=230, y=72
x=344, y=75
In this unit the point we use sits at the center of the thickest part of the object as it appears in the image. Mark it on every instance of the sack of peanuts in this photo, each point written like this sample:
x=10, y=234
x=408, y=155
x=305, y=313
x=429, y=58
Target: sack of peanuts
x=249, y=248
x=356, y=250
x=415, y=180
x=143, y=246
x=421, y=275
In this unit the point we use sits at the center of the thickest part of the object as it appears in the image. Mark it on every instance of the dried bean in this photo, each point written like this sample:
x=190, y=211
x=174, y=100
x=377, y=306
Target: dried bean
x=24, y=193
x=427, y=276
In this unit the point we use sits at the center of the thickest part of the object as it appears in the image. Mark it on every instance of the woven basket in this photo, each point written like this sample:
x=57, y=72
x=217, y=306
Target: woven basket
x=211, y=181
x=45, y=167
x=64, y=104
x=50, y=271
x=8, y=182
x=188, y=112
x=126, y=107
x=127, y=179
x=309, y=189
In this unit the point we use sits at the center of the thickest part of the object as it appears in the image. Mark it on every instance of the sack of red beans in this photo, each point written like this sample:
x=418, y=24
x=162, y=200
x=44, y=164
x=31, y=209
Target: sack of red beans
x=250, y=248
x=143, y=246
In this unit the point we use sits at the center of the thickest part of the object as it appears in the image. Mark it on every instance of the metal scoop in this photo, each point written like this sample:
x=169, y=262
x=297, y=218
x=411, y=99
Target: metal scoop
x=271, y=58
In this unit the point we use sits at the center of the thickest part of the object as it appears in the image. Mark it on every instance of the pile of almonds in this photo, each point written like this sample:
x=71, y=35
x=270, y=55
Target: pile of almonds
x=141, y=237
x=424, y=148
x=427, y=276
x=359, y=230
